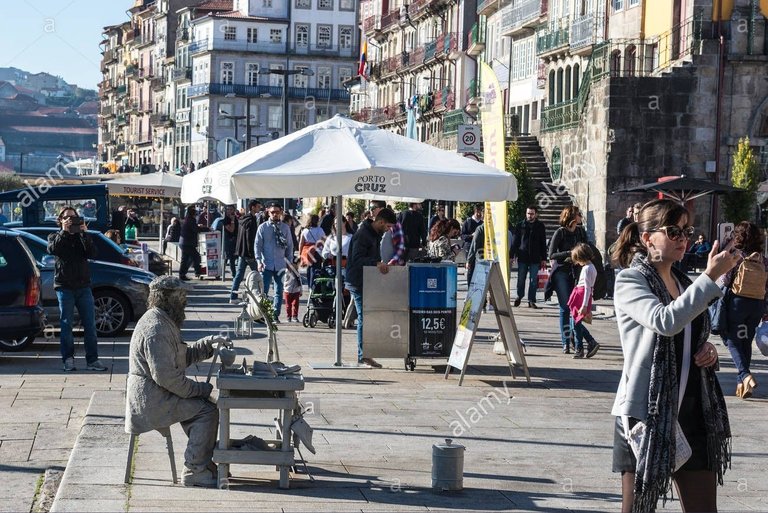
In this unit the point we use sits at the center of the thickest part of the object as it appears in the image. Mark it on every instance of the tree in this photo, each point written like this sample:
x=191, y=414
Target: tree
x=357, y=206
x=526, y=194
x=745, y=174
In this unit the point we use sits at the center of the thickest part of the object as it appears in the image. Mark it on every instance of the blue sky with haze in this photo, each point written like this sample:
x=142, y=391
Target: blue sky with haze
x=60, y=37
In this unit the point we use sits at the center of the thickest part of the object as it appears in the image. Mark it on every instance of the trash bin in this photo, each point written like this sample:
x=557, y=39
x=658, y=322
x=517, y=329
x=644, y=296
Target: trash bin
x=432, y=310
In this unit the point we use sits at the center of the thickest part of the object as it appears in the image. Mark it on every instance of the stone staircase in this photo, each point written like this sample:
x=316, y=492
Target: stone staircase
x=547, y=198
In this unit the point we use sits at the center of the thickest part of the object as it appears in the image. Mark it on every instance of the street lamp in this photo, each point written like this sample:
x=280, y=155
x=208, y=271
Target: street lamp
x=285, y=73
x=247, y=119
x=223, y=114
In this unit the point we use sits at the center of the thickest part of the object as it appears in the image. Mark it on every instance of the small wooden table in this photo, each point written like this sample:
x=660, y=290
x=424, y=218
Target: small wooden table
x=261, y=391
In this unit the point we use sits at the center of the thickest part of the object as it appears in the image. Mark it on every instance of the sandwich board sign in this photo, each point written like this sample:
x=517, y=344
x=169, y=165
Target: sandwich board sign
x=487, y=277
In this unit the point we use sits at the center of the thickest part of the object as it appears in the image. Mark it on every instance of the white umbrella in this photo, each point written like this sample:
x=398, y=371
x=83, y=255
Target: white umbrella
x=152, y=185
x=341, y=157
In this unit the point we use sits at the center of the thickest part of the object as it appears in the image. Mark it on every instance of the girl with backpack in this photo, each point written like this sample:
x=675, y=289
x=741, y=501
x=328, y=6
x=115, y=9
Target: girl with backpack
x=580, y=301
x=746, y=302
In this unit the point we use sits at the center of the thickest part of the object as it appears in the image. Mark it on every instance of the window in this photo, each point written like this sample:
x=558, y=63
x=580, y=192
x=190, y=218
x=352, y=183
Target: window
x=325, y=4
x=634, y=3
x=275, y=118
x=225, y=109
x=303, y=4
x=344, y=75
x=324, y=77
x=276, y=35
x=301, y=80
x=618, y=5
x=345, y=37
x=321, y=114
x=253, y=35
x=252, y=74
x=227, y=72
x=323, y=36
x=298, y=118
x=346, y=5
x=276, y=80
x=230, y=33
x=302, y=36
x=266, y=3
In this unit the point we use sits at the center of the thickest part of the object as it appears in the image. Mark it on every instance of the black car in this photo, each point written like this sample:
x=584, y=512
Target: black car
x=106, y=249
x=22, y=317
x=120, y=292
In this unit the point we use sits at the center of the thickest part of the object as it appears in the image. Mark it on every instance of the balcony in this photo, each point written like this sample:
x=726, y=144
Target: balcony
x=323, y=50
x=267, y=91
x=522, y=16
x=145, y=74
x=109, y=56
x=430, y=50
x=156, y=120
x=157, y=84
x=560, y=116
x=586, y=30
x=120, y=148
x=182, y=34
x=107, y=110
x=488, y=7
x=476, y=40
x=131, y=71
x=371, y=24
x=122, y=90
x=207, y=45
x=452, y=120
x=552, y=40
x=122, y=120
x=180, y=74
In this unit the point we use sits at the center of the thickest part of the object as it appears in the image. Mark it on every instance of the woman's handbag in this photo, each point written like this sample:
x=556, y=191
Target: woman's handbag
x=309, y=254
x=761, y=338
x=718, y=312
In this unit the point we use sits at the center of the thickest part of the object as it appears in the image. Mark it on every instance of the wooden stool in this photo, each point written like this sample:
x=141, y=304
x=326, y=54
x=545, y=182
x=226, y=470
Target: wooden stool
x=166, y=432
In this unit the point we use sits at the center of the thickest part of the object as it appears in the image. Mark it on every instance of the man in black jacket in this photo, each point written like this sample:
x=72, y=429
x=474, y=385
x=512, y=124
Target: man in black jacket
x=188, y=242
x=326, y=223
x=529, y=246
x=246, y=238
x=470, y=225
x=414, y=231
x=72, y=247
x=364, y=250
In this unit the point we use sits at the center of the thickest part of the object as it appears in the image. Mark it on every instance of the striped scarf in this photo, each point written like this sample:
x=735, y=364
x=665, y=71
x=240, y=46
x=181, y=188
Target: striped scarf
x=656, y=458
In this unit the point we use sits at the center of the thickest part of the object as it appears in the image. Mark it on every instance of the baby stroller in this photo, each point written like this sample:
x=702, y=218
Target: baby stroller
x=321, y=304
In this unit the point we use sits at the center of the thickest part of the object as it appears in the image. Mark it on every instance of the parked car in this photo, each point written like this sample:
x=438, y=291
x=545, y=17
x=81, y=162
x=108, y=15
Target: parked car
x=21, y=316
x=106, y=249
x=120, y=292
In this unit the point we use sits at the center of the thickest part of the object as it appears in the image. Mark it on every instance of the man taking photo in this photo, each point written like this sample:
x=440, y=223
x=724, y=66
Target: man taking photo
x=72, y=247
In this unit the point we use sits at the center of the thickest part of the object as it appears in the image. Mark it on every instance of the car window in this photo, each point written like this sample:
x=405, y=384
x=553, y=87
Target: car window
x=108, y=243
x=85, y=207
x=37, y=246
x=3, y=261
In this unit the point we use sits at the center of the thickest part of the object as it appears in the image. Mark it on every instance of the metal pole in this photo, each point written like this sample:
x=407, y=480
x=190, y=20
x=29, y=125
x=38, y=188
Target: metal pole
x=285, y=119
x=339, y=282
x=248, y=123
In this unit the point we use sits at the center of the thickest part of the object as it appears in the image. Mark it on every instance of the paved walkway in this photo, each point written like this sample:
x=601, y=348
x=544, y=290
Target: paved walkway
x=546, y=446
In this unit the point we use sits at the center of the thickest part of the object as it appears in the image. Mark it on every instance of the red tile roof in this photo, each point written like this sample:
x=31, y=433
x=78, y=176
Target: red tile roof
x=215, y=5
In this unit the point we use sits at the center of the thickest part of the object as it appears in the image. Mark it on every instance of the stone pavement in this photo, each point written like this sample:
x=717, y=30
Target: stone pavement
x=544, y=446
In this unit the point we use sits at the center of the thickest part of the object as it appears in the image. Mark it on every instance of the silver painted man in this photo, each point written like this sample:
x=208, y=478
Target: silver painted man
x=159, y=394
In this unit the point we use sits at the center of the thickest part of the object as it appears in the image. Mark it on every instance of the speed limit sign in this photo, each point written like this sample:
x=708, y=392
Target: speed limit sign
x=469, y=139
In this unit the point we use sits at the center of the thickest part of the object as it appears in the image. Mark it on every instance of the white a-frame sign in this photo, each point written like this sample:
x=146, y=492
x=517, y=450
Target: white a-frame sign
x=487, y=277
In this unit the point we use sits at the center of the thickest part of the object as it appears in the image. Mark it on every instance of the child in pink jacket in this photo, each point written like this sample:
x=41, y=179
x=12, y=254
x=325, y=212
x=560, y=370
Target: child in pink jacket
x=580, y=301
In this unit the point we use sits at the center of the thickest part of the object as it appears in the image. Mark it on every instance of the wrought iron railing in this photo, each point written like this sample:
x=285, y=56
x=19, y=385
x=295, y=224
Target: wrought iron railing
x=552, y=38
x=515, y=16
x=451, y=121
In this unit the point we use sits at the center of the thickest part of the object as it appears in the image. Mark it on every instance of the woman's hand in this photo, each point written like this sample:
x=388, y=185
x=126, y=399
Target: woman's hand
x=706, y=356
x=719, y=262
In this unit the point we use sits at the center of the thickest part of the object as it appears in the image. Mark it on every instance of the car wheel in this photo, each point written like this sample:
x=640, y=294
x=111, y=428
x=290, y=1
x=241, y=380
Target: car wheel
x=112, y=313
x=18, y=344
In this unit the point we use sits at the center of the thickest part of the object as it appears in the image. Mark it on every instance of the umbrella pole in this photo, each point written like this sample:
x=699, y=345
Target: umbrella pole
x=160, y=235
x=339, y=281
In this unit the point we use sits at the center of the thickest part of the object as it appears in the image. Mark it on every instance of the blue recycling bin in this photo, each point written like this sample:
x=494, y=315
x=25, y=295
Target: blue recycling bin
x=432, y=308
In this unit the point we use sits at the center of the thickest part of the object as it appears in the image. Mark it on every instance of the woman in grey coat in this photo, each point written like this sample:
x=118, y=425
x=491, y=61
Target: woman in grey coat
x=662, y=318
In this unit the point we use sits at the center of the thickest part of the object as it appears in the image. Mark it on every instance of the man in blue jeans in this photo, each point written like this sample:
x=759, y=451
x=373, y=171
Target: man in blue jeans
x=273, y=249
x=529, y=246
x=364, y=250
x=246, y=237
x=72, y=247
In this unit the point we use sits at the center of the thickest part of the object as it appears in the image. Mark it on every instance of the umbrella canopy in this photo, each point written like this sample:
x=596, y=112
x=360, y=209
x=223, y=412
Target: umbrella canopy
x=153, y=185
x=683, y=188
x=82, y=164
x=341, y=157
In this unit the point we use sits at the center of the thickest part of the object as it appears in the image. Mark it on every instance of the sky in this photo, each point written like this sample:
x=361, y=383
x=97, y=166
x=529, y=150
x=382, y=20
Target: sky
x=60, y=37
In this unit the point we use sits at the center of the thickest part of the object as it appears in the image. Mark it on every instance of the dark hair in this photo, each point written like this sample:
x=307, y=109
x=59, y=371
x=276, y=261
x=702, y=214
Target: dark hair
x=61, y=214
x=313, y=221
x=386, y=215
x=748, y=237
x=287, y=217
x=568, y=215
x=654, y=214
x=191, y=210
x=113, y=235
x=377, y=204
x=533, y=207
x=350, y=214
x=274, y=204
x=253, y=203
x=581, y=253
x=438, y=229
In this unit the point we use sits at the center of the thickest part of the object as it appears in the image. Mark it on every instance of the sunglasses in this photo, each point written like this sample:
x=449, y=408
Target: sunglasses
x=675, y=233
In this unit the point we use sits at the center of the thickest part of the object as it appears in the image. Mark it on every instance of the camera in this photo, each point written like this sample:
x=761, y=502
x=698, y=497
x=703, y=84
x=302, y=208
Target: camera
x=76, y=225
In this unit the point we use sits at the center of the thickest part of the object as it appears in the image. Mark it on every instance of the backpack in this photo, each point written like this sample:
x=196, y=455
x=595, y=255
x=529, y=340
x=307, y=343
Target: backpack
x=600, y=290
x=750, y=278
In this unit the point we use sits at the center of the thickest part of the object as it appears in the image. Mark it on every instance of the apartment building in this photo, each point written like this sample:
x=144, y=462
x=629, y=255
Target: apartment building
x=266, y=68
x=418, y=79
